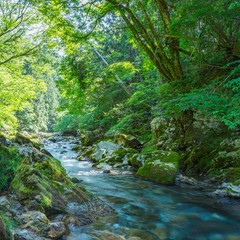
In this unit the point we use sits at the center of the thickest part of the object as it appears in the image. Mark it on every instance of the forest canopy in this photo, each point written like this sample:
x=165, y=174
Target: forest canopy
x=117, y=64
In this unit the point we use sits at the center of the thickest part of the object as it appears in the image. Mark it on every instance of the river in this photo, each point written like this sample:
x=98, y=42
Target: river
x=147, y=210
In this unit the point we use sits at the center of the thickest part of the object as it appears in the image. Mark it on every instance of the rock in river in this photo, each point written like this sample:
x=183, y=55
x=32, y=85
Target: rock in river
x=162, y=167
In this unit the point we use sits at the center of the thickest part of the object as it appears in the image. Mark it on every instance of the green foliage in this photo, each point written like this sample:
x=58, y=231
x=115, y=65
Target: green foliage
x=8, y=224
x=66, y=122
x=219, y=99
x=15, y=91
x=124, y=69
x=41, y=114
x=22, y=78
x=9, y=161
x=196, y=54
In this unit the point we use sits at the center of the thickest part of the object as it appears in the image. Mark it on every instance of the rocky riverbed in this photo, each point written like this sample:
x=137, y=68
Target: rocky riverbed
x=146, y=210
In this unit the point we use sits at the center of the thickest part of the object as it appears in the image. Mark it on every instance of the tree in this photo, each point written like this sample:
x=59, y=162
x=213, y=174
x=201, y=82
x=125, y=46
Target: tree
x=191, y=43
x=21, y=35
x=18, y=22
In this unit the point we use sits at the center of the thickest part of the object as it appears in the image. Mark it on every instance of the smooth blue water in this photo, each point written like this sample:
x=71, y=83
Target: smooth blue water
x=147, y=210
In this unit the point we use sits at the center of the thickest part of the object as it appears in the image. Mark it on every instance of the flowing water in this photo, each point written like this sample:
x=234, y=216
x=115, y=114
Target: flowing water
x=148, y=210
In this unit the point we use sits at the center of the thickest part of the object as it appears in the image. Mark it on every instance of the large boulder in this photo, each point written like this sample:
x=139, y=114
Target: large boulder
x=35, y=190
x=166, y=133
x=161, y=167
x=121, y=155
x=127, y=140
x=109, y=155
x=43, y=184
x=42, y=197
x=104, y=149
x=88, y=138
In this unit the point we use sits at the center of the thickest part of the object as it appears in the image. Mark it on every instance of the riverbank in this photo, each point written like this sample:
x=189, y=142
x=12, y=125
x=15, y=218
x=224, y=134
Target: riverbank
x=164, y=166
x=38, y=198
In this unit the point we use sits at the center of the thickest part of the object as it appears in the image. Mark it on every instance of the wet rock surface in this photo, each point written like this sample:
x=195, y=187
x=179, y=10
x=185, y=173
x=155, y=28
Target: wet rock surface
x=41, y=189
x=228, y=190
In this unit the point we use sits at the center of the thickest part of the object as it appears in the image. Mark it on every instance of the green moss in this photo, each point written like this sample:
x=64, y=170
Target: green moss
x=46, y=182
x=9, y=161
x=165, y=156
x=52, y=168
x=233, y=174
x=162, y=167
x=149, y=148
x=118, y=155
x=6, y=227
x=77, y=148
x=135, y=161
x=123, y=151
x=29, y=183
x=36, y=143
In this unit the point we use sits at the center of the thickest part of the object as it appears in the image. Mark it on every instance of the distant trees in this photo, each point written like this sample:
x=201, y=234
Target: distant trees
x=18, y=22
x=22, y=33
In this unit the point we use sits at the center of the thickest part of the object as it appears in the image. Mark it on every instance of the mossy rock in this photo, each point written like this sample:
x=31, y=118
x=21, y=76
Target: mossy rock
x=127, y=140
x=46, y=182
x=88, y=138
x=136, y=160
x=77, y=148
x=121, y=155
x=85, y=153
x=149, y=148
x=23, y=139
x=104, y=149
x=29, y=183
x=9, y=161
x=53, y=169
x=162, y=167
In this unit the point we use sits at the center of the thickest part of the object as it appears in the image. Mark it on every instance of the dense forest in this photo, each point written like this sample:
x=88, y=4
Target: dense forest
x=151, y=86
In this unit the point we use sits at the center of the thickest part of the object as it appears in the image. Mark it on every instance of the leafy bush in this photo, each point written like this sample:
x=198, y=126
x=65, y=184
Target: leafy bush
x=219, y=99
